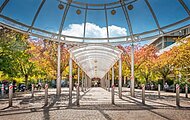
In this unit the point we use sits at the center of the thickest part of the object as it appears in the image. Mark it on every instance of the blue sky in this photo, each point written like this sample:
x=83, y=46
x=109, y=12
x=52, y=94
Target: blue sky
x=167, y=12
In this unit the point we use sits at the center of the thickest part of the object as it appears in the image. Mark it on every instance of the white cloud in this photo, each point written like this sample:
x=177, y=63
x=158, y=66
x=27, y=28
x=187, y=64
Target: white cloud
x=74, y=30
x=116, y=31
x=94, y=31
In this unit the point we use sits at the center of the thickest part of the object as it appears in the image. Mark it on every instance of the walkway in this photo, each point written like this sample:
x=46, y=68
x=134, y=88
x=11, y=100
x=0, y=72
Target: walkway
x=94, y=105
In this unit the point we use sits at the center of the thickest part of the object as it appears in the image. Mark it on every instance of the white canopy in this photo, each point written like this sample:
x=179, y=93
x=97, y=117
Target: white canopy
x=95, y=59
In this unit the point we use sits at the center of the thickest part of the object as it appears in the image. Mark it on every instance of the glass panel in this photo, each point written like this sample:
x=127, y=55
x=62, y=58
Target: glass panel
x=168, y=12
x=148, y=35
x=178, y=27
x=118, y=40
x=96, y=41
x=19, y=27
x=50, y=16
x=187, y=2
x=96, y=1
x=117, y=23
x=96, y=28
x=1, y=2
x=73, y=39
x=142, y=43
x=141, y=17
x=74, y=23
x=42, y=33
x=22, y=11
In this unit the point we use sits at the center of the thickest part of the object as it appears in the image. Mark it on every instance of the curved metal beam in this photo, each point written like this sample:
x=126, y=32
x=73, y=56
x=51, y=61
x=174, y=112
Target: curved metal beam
x=64, y=17
x=96, y=47
x=184, y=6
x=95, y=54
x=3, y=5
x=106, y=16
x=153, y=15
x=127, y=19
x=92, y=52
x=93, y=58
x=75, y=42
x=36, y=15
x=85, y=17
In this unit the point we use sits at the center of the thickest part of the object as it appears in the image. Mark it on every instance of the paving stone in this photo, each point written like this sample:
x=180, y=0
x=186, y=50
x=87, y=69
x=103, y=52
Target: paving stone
x=95, y=104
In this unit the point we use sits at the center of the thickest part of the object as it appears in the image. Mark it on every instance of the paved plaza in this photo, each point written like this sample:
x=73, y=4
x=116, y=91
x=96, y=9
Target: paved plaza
x=95, y=104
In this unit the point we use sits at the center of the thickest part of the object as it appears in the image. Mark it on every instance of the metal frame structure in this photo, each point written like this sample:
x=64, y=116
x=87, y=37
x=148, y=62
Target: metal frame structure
x=9, y=22
x=95, y=56
x=95, y=59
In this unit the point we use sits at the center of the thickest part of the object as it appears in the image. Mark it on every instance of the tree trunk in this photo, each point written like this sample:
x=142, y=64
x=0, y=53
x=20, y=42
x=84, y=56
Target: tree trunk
x=26, y=80
x=146, y=80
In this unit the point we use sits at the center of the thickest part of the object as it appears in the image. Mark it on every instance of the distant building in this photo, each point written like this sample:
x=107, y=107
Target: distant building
x=165, y=41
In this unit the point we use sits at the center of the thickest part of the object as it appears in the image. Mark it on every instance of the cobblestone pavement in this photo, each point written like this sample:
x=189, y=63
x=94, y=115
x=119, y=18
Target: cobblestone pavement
x=95, y=104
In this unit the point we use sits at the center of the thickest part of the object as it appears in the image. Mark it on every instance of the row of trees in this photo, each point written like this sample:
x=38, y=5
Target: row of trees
x=25, y=58
x=151, y=66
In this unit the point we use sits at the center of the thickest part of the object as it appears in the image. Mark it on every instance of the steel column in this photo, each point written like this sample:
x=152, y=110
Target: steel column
x=113, y=86
x=108, y=82
x=132, y=86
x=78, y=84
x=85, y=82
x=70, y=80
x=105, y=80
x=132, y=46
x=82, y=86
x=58, y=69
x=90, y=81
x=120, y=78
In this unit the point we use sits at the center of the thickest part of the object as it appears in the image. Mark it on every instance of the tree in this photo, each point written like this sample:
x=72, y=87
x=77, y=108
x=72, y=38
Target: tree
x=12, y=45
x=45, y=57
x=144, y=63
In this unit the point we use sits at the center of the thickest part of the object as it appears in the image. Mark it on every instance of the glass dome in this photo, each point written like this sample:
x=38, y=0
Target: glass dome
x=95, y=21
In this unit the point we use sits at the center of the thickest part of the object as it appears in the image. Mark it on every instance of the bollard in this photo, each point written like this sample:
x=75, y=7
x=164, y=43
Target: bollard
x=112, y=94
x=158, y=90
x=143, y=94
x=177, y=95
x=10, y=95
x=186, y=90
x=77, y=95
x=32, y=90
x=46, y=94
x=2, y=90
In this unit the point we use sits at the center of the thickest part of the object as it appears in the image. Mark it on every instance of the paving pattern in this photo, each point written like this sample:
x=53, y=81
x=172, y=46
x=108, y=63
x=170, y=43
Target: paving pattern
x=95, y=104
